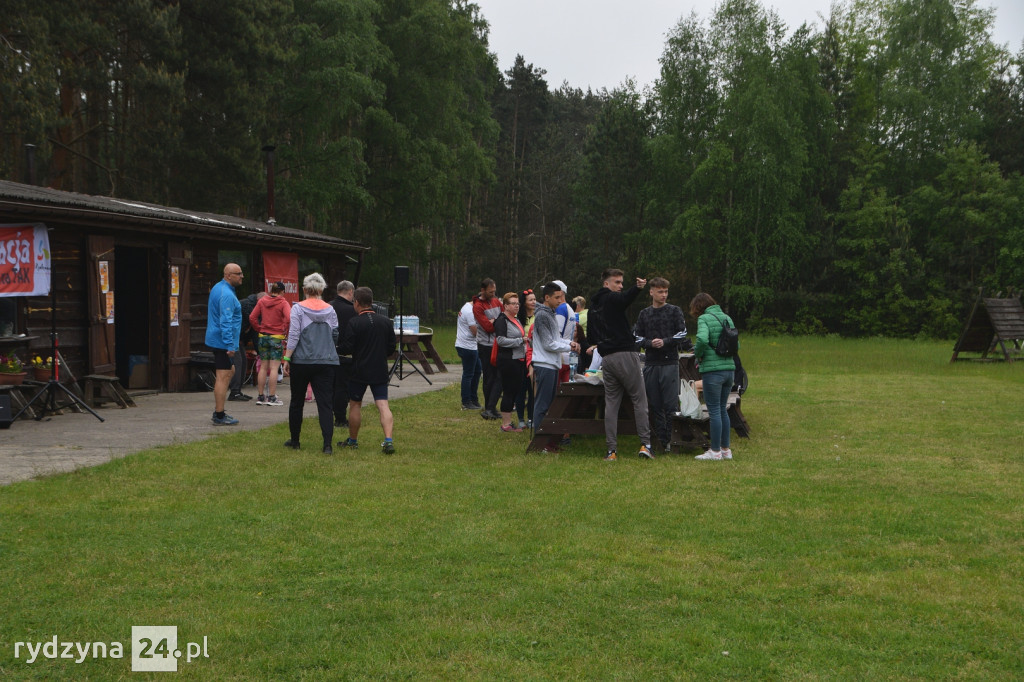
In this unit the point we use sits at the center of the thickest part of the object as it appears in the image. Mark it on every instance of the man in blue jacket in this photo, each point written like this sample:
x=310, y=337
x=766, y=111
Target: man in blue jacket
x=223, y=325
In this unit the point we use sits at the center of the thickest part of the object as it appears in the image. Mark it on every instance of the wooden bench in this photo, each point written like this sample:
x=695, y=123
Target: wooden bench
x=19, y=399
x=691, y=434
x=100, y=388
x=60, y=399
x=578, y=408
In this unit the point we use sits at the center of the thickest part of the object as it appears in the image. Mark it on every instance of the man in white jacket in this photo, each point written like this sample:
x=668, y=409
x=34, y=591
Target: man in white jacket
x=548, y=346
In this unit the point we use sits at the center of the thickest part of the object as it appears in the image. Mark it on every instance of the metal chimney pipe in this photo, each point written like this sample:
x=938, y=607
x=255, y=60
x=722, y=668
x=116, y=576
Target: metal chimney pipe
x=30, y=164
x=269, y=149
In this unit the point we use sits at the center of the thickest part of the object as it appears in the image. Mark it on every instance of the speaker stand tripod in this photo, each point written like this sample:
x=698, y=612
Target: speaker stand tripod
x=53, y=386
x=398, y=367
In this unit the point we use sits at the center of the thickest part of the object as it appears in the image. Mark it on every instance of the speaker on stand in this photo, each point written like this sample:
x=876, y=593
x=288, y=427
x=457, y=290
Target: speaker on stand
x=402, y=281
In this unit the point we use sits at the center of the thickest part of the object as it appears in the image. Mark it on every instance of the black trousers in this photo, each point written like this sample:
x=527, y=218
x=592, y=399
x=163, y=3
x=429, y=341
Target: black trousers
x=342, y=373
x=512, y=376
x=321, y=378
x=491, y=379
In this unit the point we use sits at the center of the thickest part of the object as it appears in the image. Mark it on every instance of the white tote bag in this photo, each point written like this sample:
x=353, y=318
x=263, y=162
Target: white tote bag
x=689, y=405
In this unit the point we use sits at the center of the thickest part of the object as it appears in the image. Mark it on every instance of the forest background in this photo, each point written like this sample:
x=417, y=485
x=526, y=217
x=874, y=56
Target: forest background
x=862, y=178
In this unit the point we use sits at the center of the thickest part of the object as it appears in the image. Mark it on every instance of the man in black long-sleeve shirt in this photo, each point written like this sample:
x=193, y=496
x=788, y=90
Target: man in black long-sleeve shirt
x=370, y=338
x=342, y=304
x=661, y=330
x=620, y=363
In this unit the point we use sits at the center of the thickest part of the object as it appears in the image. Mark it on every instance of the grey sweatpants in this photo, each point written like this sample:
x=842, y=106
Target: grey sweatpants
x=662, y=384
x=623, y=376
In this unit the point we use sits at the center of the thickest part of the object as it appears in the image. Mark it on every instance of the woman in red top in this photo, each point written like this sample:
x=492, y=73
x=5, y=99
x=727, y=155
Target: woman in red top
x=270, y=318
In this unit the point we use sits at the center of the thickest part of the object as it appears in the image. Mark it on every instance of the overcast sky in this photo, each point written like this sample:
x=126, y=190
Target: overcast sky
x=600, y=43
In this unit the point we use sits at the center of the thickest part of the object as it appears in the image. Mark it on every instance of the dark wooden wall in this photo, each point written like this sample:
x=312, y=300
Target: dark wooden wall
x=68, y=281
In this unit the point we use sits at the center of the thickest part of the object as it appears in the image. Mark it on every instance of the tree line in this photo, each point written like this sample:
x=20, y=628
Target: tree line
x=863, y=177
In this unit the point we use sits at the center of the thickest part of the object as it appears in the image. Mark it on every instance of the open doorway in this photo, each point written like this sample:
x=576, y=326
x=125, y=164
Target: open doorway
x=132, y=315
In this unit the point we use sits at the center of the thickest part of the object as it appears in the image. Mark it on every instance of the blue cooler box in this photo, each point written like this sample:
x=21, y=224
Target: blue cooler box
x=410, y=324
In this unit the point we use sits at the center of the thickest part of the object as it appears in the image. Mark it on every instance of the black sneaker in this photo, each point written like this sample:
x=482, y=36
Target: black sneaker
x=349, y=443
x=388, y=447
x=470, y=406
x=293, y=444
x=239, y=396
x=328, y=450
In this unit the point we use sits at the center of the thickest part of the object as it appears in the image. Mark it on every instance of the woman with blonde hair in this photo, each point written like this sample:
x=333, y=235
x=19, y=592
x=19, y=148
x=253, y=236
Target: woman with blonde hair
x=311, y=359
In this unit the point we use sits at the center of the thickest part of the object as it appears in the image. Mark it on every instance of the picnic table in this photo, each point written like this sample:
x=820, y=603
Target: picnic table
x=419, y=347
x=578, y=409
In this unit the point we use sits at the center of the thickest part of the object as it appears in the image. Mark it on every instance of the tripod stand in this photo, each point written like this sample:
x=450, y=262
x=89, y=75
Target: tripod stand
x=53, y=386
x=398, y=367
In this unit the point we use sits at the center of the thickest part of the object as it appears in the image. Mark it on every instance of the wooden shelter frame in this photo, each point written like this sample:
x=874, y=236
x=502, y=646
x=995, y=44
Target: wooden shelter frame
x=994, y=323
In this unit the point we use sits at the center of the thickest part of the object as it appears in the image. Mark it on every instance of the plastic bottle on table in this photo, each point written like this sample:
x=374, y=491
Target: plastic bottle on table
x=574, y=357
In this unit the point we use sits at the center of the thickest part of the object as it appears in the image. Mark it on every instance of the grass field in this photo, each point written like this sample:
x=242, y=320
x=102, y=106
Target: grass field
x=870, y=528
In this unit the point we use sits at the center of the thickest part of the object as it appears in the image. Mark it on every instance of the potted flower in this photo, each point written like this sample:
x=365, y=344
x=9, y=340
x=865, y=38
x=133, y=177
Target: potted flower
x=11, y=370
x=42, y=369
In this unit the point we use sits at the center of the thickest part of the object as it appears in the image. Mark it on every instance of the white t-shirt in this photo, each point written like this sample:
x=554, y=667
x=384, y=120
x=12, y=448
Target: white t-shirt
x=566, y=319
x=464, y=337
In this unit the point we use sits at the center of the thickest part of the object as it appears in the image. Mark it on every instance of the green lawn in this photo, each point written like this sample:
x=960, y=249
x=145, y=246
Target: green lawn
x=870, y=528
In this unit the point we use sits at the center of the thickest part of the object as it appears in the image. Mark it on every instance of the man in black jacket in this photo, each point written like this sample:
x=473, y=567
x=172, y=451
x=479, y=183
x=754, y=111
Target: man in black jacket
x=661, y=331
x=247, y=336
x=611, y=331
x=342, y=305
x=370, y=338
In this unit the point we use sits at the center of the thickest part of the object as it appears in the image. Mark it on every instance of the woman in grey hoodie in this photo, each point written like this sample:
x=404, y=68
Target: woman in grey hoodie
x=311, y=358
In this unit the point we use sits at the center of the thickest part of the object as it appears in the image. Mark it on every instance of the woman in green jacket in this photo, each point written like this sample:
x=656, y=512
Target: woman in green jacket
x=715, y=371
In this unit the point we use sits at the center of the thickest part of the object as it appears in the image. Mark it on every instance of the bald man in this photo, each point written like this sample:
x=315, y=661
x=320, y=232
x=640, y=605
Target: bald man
x=223, y=326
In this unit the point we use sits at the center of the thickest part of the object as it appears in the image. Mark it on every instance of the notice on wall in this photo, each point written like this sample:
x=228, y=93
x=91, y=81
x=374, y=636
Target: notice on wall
x=24, y=260
x=175, y=282
x=104, y=276
x=110, y=307
x=174, y=311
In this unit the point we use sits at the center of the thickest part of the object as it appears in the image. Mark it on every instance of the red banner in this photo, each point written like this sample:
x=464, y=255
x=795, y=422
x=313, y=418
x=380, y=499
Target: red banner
x=282, y=267
x=24, y=260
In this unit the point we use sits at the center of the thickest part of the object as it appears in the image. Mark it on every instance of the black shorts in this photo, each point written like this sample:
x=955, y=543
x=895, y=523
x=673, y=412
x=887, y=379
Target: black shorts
x=356, y=390
x=221, y=359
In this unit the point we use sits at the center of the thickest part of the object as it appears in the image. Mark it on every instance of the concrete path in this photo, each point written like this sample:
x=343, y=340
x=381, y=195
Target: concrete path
x=69, y=441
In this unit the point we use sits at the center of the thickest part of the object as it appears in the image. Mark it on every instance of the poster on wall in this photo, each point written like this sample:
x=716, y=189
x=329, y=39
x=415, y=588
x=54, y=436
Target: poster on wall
x=282, y=267
x=110, y=307
x=24, y=260
x=104, y=276
x=174, y=311
x=175, y=282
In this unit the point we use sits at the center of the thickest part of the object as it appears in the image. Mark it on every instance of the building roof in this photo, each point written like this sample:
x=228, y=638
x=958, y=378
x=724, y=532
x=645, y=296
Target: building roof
x=31, y=203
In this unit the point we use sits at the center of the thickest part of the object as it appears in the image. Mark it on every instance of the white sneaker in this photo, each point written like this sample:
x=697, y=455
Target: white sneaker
x=275, y=401
x=710, y=454
x=726, y=453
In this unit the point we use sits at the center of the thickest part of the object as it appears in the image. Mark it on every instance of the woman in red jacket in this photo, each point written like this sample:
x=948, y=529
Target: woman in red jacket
x=270, y=318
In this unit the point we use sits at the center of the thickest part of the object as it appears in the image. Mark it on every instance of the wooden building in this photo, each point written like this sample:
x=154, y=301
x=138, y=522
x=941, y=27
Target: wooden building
x=154, y=266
